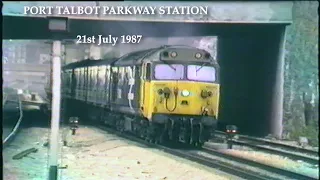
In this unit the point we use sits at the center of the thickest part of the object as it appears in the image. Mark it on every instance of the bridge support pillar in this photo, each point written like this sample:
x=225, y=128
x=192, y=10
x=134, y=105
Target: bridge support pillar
x=278, y=89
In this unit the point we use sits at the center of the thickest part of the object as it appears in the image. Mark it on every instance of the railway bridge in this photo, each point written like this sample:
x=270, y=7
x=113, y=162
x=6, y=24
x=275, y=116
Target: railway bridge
x=251, y=38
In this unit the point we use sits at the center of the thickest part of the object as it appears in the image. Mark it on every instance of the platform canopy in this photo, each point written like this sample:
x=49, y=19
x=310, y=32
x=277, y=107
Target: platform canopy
x=16, y=25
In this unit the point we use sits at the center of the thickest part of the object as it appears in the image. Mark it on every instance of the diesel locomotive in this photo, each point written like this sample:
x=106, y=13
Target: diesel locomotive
x=169, y=93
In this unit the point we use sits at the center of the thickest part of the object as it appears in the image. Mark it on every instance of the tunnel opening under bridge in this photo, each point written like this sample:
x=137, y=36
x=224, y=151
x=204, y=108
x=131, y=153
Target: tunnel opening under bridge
x=250, y=57
x=251, y=79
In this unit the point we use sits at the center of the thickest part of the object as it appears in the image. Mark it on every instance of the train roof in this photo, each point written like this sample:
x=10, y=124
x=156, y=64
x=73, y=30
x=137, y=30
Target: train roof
x=135, y=57
x=138, y=57
x=90, y=62
x=132, y=58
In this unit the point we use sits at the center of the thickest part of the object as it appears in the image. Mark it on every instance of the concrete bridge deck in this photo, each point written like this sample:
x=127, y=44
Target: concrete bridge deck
x=180, y=25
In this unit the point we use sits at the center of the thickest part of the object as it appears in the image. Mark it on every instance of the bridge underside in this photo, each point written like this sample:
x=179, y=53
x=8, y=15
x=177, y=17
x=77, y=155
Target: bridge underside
x=250, y=55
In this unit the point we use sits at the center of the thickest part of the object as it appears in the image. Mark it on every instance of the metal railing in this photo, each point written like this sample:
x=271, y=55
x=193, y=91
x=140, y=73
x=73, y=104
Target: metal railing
x=14, y=131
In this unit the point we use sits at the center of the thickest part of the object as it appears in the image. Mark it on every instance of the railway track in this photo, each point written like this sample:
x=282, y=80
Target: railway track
x=292, y=152
x=9, y=137
x=234, y=165
x=272, y=169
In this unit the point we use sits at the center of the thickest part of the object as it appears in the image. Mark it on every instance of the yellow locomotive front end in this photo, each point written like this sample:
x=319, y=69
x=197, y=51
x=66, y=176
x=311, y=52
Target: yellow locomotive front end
x=181, y=98
x=188, y=98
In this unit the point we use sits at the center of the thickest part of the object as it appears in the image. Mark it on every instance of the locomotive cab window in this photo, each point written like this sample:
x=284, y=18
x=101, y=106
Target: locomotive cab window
x=201, y=73
x=169, y=71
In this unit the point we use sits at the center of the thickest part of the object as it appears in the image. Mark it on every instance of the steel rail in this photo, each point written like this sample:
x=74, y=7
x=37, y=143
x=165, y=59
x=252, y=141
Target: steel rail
x=213, y=163
x=290, y=155
x=275, y=144
x=272, y=169
x=16, y=127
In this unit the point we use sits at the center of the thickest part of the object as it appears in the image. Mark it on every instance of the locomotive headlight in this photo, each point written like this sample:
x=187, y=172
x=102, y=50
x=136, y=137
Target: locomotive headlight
x=198, y=55
x=185, y=93
x=207, y=56
x=165, y=54
x=174, y=54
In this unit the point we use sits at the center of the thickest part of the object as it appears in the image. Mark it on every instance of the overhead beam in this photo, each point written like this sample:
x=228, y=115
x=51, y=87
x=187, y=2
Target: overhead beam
x=37, y=28
x=217, y=12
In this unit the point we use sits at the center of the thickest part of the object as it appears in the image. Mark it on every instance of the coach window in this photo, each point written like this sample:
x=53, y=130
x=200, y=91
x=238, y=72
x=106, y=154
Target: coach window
x=82, y=78
x=102, y=77
x=63, y=78
x=121, y=75
x=88, y=77
x=70, y=80
x=94, y=77
x=85, y=78
x=75, y=79
x=148, y=72
x=78, y=79
x=66, y=79
x=106, y=77
x=115, y=77
x=98, y=77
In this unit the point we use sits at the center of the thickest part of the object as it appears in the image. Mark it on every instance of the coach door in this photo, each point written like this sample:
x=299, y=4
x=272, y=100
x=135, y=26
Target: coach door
x=114, y=90
x=145, y=88
x=73, y=83
x=136, y=86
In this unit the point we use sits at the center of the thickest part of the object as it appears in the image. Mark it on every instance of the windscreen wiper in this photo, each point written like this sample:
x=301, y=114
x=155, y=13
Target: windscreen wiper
x=170, y=66
x=201, y=67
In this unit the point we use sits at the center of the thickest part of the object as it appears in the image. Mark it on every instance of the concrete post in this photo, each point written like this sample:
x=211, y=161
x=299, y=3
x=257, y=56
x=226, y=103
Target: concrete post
x=278, y=90
x=55, y=115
